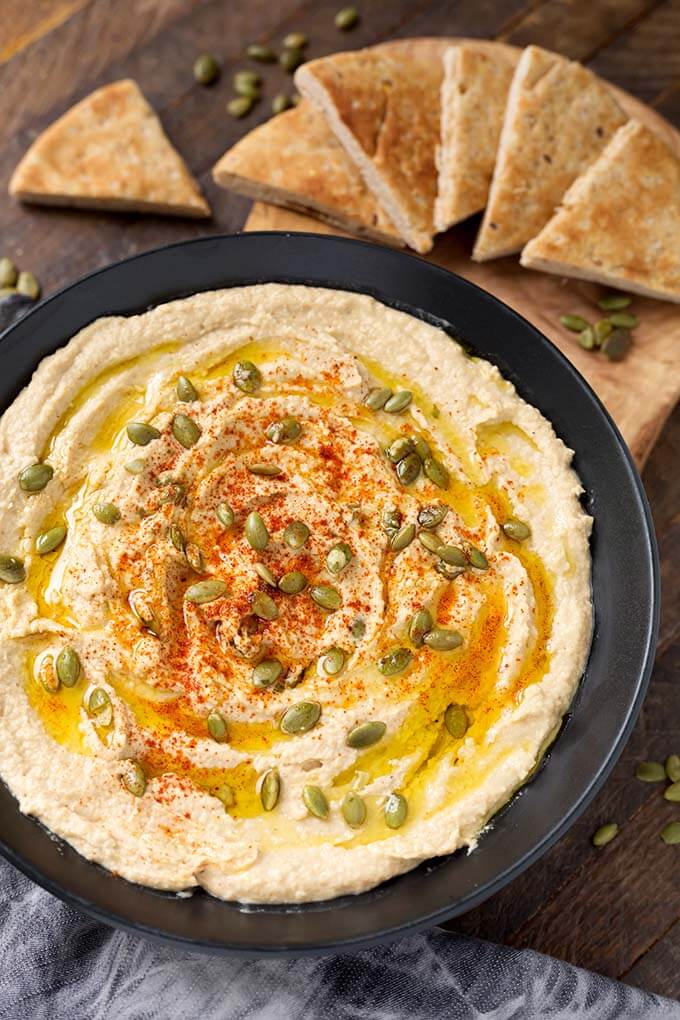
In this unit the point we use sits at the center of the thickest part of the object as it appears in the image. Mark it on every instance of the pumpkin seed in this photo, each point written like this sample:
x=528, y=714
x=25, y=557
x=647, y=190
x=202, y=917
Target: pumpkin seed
x=12, y=570
x=246, y=376
x=217, y=727
x=430, y=541
x=35, y=477
x=439, y=639
x=256, y=531
x=601, y=331
x=285, y=431
x=206, y=69
x=194, y=557
x=326, y=596
x=617, y=344
x=185, y=390
x=185, y=430
x=605, y=834
x=650, y=772
x=366, y=735
x=266, y=470
x=395, y=661
x=358, y=628
x=430, y=517
x=247, y=78
x=99, y=705
x=624, y=319
x=436, y=472
x=295, y=41
x=49, y=677
x=135, y=467
x=141, y=433
x=295, y=535
x=452, y=555
x=477, y=558
x=290, y=60
x=270, y=789
x=265, y=573
x=243, y=87
x=68, y=666
x=263, y=54
x=8, y=272
x=50, y=540
x=673, y=767
x=421, y=447
x=264, y=607
x=391, y=521
x=403, y=538
x=576, y=323
x=310, y=764
x=672, y=792
x=353, y=810
x=395, y=810
x=224, y=514
x=205, y=591
x=333, y=661
x=516, y=529
x=226, y=794
x=586, y=339
x=614, y=302
x=293, y=583
x=670, y=834
x=281, y=102
x=377, y=397
x=419, y=625
x=338, y=557
x=315, y=801
x=301, y=717
x=346, y=18
x=399, y=448
x=134, y=778
x=408, y=469
x=240, y=106
x=398, y=402
x=266, y=673
x=28, y=285
x=448, y=570
x=142, y=612
x=106, y=513
x=456, y=721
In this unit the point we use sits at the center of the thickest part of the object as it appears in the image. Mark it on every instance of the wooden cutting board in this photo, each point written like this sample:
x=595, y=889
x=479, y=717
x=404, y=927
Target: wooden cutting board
x=639, y=392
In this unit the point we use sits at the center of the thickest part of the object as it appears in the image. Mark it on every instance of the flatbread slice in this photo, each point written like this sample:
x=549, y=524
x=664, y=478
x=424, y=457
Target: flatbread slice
x=109, y=151
x=383, y=104
x=619, y=224
x=558, y=120
x=294, y=160
x=475, y=88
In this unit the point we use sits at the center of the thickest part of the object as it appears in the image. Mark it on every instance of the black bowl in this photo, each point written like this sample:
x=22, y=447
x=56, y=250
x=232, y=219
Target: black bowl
x=625, y=590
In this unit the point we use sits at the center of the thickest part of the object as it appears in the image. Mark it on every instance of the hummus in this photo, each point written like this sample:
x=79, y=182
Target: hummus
x=295, y=598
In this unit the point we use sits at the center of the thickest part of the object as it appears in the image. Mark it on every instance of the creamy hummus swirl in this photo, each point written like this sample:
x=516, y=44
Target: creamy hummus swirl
x=318, y=601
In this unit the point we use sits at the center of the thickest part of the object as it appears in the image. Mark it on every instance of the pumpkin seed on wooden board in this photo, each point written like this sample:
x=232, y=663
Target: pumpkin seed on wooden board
x=206, y=69
x=605, y=834
x=650, y=772
x=346, y=18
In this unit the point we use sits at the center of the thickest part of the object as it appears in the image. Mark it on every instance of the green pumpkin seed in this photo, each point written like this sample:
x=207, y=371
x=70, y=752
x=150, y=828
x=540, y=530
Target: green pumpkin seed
x=263, y=54
x=266, y=673
x=395, y=810
x=673, y=767
x=266, y=470
x=185, y=390
x=333, y=661
x=176, y=537
x=338, y=557
x=430, y=541
x=49, y=677
x=141, y=610
x=421, y=447
x=205, y=591
x=456, y=721
x=134, y=778
x=448, y=570
x=28, y=285
x=436, y=472
x=281, y=102
x=419, y=625
x=35, y=477
x=650, y=772
x=50, y=540
x=672, y=792
x=403, y=538
x=601, y=331
x=430, y=517
x=398, y=402
x=614, y=302
x=224, y=514
x=140, y=433
x=295, y=535
x=301, y=717
x=270, y=789
x=256, y=531
x=395, y=661
x=68, y=666
x=265, y=573
x=605, y=834
x=516, y=529
x=135, y=467
x=194, y=558
x=246, y=376
x=217, y=727
x=366, y=735
x=285, y=431
x=226, y=794
x=243, y=87
x=576, y=323
x=290, y=60
x=315, y=801
x=293, y=582
x=439, y=639
x=247, y=78
x=358, y=628
x=377, y=397
x=624, y=319
x=185, y=430
x=391, y=521
x=99, y=705
x=264, y=607
x=452, y=555
x=240, y=106
x=295, y=41
x=399, y=449
x=408, y=469
x=8, y=272
x=477, y=558
x=346, y=18
x=617, y=344
x=106, y=513
x=353, y=810
x=586, y=339
x=206, y=69
x=327, y=597
x=670, y=834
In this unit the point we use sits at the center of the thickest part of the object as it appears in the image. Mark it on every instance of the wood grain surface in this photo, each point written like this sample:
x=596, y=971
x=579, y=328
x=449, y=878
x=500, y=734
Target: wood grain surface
x=616, y=911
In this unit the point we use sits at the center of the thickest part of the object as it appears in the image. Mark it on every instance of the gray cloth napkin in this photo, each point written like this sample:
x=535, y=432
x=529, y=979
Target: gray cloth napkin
x=58, y=964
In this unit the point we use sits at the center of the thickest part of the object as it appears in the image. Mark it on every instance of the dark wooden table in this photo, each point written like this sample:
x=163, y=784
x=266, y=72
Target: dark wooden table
x=615, y=911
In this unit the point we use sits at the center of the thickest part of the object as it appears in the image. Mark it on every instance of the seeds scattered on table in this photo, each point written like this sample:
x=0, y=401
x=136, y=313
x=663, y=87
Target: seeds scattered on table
x=263, y=54
x=240, y=106
x=346, y=18
x=206, y=69
x=605, y=834
x=290, y=60
x=650, y=772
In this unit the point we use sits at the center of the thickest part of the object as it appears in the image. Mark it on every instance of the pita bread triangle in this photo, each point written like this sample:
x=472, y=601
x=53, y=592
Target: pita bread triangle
x=558, y=119
x=383, y=105
x=109, y=151
x=294, y=160
x=619, y=224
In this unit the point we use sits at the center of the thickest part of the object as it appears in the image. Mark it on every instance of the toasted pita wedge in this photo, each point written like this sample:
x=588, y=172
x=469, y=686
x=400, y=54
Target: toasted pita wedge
x=558, y=120
x=619, y=224
x=295, y=160
x=108, y=152
x=383, y=105
x=477, y=79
